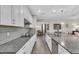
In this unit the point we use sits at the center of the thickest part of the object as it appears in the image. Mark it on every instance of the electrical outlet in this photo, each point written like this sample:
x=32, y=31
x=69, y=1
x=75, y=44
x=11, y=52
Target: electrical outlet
x=8, y=33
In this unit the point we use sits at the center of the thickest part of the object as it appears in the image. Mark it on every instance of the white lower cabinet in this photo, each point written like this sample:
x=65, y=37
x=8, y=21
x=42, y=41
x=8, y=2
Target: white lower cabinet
x=49, y=42
x=61, y=50
x=55, y=47
x=27, y=48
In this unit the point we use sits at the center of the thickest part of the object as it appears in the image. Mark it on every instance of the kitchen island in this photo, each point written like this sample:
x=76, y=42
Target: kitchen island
x=67, y=44
x=13, y=47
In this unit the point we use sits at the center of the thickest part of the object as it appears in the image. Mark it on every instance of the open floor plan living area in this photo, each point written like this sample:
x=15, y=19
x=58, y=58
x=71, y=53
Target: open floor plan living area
x=39, y=29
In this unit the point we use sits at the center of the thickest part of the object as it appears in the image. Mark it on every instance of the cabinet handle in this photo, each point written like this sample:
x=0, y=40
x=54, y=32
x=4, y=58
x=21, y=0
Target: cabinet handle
x=13, y=21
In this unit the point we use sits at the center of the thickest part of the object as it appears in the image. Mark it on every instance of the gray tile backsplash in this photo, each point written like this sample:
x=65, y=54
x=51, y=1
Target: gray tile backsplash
x=8, y=34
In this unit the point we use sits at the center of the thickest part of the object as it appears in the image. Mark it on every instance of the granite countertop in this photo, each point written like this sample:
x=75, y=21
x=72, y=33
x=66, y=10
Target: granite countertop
x=69, y=42
x=13, y=46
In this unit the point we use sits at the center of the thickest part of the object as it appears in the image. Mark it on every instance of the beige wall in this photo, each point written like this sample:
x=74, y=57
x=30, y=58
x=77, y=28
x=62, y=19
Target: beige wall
x=64, y=28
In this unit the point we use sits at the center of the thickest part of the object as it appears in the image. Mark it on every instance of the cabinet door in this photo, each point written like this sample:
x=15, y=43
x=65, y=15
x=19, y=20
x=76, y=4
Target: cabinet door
x=5, y=14
x=15, y=15
x=54, y=47
x=21, y=16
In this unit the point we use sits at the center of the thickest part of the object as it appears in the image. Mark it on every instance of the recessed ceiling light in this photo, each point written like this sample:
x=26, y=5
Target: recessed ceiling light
x=54, y=11
x=39, y=10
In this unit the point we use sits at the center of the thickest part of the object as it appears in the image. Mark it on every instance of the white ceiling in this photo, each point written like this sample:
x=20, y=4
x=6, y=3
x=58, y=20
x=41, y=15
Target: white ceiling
x=55, y=12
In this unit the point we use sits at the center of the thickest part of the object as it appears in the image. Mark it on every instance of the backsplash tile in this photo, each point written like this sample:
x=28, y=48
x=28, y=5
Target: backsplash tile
x=8, y=34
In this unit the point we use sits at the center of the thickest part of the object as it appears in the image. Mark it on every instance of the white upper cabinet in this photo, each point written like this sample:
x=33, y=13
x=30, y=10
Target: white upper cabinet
x=17, y=16
x=12, y=15
x=5, y=15
x=21, y=22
